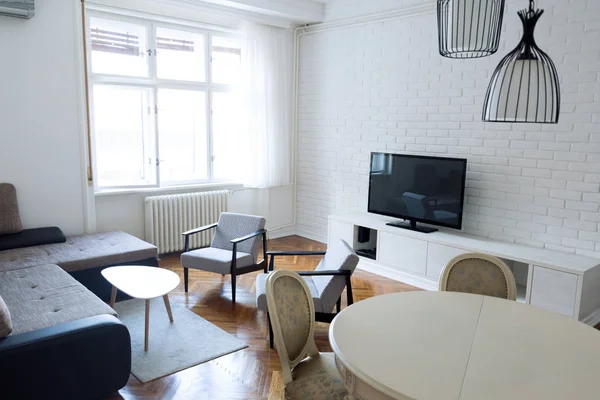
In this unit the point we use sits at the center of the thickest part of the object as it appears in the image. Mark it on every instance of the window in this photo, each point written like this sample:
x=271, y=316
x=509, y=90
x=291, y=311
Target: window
x=162, y=102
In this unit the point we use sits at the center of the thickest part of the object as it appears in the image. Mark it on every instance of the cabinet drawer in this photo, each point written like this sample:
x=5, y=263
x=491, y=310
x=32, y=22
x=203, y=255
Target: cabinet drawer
x=554, y=290
x=402, y=253
x=438, y=256
x=341, y=230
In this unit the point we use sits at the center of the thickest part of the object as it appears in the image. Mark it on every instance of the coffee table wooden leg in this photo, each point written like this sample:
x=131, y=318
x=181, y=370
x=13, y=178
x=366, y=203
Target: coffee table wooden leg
x=168, y=306
x=147, y=325
x=113, y=296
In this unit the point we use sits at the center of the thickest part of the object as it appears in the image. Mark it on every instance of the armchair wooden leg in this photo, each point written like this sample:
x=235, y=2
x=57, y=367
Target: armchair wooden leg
x=270, y=331
x=349, y=292
x=339, y=304
x=185, y=278
x=233, y=287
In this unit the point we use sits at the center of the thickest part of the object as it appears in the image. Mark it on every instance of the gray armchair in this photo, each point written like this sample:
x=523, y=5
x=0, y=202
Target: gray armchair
x=234, y=248
x=326, y=283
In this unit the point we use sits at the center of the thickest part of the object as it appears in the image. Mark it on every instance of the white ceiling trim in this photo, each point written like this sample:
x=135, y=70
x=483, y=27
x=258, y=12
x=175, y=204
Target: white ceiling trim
x=229, y=13
x=301, y=12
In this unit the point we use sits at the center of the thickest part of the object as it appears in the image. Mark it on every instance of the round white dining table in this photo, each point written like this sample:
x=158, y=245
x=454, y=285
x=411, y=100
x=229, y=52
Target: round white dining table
x=445, y=345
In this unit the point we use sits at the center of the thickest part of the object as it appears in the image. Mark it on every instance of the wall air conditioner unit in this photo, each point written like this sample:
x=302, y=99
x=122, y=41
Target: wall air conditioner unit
x=17, y=8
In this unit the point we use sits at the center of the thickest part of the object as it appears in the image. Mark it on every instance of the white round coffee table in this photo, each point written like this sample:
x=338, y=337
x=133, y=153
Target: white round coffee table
x=444, y=345
x=142, y=282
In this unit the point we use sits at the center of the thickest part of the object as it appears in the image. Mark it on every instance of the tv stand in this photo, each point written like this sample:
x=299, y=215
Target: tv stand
x=568, y=284
x=412, y=225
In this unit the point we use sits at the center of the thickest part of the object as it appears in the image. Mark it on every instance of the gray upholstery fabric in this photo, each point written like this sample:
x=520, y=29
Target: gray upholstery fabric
x=25, y=257
x=10, y=220
x=5, y=320
x=214, y=260
x=80, y=252
x=231, y=226
x=44, y=296
x=261, y=293
x=338, y=257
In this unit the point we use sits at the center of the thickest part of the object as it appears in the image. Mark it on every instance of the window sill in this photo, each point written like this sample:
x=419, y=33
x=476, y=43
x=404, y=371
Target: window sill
x=171, y=189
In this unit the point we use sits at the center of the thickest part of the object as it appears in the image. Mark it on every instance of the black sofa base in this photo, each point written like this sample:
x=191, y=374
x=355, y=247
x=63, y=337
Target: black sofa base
x=85, y=359
x=93, y=280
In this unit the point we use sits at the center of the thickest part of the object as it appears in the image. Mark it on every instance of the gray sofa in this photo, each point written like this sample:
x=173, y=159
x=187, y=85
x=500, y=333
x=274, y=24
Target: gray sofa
x=58, y=337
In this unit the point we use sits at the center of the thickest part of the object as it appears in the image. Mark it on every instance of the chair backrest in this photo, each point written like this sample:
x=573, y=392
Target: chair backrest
x=292, y=314
x=338, y=256
x=479, y=274
x=231, y=226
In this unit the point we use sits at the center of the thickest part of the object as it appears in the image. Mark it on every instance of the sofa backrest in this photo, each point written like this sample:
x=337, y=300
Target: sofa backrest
x=10, y=220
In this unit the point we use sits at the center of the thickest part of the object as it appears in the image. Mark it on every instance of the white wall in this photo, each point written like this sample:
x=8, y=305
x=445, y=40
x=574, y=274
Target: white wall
x=384, y=87
x=342, y=9
x=125, y=212
x=39, y=125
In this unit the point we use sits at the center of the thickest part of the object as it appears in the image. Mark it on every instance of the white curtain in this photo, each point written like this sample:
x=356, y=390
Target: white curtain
x=265, y=148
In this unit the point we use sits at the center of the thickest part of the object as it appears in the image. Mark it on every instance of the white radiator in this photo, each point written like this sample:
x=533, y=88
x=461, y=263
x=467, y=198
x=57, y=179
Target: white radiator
x=170, y=215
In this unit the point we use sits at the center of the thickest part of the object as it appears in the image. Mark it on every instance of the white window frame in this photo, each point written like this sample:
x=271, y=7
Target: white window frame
x=154, y=84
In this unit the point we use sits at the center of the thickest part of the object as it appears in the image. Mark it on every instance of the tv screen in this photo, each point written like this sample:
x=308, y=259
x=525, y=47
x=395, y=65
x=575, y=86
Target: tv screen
x=418, y=188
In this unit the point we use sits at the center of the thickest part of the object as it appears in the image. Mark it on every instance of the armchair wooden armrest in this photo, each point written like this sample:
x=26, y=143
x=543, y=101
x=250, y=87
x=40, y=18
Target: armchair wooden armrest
x=250, y=236
x=291, y=253
x=235, y=242
x=343, y=272
x=198, y=230
x=187, y=234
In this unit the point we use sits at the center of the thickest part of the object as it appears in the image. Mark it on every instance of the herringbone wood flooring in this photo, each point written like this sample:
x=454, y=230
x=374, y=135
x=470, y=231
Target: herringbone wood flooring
x=246, y=374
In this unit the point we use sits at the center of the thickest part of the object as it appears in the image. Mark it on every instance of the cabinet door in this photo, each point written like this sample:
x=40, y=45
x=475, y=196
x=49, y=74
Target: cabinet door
x=554, y=290
x=438, y=256
x=402, y=253
x=341, y=230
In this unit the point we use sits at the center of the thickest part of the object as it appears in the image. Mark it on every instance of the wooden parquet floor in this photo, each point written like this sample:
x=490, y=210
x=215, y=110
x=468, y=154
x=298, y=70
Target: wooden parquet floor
x=246, y=374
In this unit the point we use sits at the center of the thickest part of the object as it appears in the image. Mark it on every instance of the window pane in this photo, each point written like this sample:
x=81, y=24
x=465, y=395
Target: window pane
x=118, y=48
x=123, y=136
x=180, y=55
x=182, y=135
x=226, y=59
x=226, y=132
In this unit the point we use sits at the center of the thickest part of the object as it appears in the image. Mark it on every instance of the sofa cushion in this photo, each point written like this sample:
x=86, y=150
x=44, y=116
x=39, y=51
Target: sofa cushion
x=10, y=221
x=44, y=296
x=32, y=237
x=81, y=252
x=216, y=260
x=98, y=250
x=5, y=320
x=26, y=257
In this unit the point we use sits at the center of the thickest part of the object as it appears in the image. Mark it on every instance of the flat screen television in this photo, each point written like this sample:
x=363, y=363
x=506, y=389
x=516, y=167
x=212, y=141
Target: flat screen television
x=418, y=189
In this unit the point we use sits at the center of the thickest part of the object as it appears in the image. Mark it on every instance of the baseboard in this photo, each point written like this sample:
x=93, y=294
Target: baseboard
x=414, y=280
x=281, y=232
x=593, y=319
x=310, y=235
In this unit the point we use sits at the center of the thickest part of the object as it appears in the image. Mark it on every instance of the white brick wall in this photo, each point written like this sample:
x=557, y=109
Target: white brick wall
x=383, y=87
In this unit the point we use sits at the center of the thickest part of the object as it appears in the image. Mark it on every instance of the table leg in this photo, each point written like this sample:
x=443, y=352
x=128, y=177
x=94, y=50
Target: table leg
x=168, y=306
x=147, y=325
x=113, y=296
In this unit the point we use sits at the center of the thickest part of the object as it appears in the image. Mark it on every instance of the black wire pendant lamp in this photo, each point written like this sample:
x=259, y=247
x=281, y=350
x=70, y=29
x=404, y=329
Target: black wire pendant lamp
x=469, y=28
x=524, y=86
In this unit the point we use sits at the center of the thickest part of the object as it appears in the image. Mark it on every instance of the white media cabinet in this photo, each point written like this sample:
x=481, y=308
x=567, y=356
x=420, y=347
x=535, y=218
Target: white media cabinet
x=559, y=282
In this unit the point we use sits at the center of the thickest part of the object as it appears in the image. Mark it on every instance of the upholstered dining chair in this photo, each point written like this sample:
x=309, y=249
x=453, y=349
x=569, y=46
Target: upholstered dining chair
x=326, y=283
x=479, y=274
x=233, y=250
x=307, y=374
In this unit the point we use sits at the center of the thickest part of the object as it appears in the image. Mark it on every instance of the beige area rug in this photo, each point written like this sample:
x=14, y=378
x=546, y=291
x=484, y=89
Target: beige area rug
x=190, y=340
